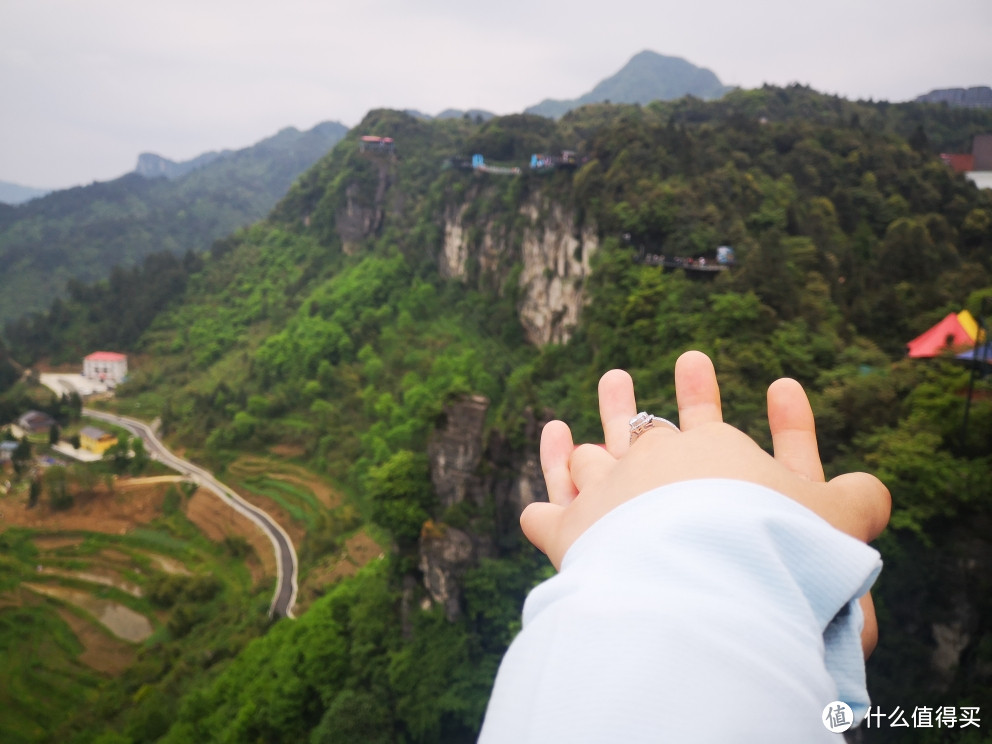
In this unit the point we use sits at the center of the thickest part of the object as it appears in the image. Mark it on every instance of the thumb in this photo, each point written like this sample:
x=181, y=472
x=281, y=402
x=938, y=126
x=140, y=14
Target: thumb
x=541, y=522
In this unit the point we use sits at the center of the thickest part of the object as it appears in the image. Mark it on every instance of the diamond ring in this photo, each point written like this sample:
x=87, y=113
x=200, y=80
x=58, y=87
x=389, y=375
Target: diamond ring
x=644, y=421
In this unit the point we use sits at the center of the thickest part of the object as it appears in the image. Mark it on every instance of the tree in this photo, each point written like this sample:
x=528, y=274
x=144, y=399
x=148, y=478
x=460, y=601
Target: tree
x=21, y=456
x=139, y=457
x=119, y=455
x=57, y=485
x=402, y=496
x=53, y=435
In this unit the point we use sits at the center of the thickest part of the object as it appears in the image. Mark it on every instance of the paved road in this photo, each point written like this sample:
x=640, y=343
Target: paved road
x=286, y=564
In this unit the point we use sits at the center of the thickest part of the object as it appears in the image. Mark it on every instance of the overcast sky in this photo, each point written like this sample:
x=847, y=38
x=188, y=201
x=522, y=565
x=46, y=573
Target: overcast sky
x=87, y=85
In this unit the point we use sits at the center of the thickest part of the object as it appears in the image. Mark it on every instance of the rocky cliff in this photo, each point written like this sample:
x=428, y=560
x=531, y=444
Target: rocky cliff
x=977, y=97
x=552, y=250
x=481, y=483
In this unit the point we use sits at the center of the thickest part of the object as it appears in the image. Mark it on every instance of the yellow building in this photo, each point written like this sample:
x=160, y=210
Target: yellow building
x=96, y=440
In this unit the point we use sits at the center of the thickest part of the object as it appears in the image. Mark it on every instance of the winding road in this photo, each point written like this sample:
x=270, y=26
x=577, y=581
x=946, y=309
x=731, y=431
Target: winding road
x=287, y=569
x=286, y=580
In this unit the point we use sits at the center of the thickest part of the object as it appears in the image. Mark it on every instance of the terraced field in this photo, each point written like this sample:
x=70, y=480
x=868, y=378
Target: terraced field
x=82, y=591
x=90, y=594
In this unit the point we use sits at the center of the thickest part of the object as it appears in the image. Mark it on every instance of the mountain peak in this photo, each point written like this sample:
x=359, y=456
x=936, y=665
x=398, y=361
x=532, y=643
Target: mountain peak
x=151, y=165
x=647, y=76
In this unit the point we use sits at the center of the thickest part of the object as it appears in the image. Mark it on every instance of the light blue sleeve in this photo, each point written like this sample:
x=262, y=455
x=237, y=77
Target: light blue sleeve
x=703, y=611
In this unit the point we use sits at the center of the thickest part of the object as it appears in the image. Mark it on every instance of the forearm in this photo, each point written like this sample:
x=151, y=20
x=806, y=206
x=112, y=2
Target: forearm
x=701, y=610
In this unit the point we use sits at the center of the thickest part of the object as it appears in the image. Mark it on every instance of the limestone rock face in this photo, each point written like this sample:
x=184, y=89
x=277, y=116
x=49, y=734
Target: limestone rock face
x=361, y=217
x=555, y=258
x=445, y=553
x=552, y=248
x=455, y=451
x=490, y=477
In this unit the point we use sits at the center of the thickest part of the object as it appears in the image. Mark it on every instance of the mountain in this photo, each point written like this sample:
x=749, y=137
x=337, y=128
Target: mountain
x=480, y=114
x=404, y=329
x=151, y=165
x=977, y=97
x=12, y=193
x=81, y=233
x=451, y=113
x=647, y=77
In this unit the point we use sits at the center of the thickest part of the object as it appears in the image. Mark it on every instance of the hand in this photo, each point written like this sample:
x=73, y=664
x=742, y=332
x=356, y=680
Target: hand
x=586, y=482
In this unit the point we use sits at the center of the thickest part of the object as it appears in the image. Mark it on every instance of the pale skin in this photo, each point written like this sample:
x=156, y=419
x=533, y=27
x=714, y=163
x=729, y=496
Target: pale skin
x=588, y=481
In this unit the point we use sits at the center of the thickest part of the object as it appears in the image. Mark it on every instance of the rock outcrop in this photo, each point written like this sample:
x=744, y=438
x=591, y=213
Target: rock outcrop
x=554, y=252
x=361, y=217
x=486, y=476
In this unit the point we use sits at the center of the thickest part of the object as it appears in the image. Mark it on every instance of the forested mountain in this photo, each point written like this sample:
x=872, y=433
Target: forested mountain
x=648, y=76
x=82, y=233
x=405, y=326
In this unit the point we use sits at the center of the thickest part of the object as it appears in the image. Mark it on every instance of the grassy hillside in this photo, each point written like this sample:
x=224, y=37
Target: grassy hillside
x=329, y=336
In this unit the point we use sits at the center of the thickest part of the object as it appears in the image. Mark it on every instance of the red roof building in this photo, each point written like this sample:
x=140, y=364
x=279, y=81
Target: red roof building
x=106, y=366
x=959, y=162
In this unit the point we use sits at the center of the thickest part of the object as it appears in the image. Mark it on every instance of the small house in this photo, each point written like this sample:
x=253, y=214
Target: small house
x=105, y=366
x=35, y=422
x=96, y=440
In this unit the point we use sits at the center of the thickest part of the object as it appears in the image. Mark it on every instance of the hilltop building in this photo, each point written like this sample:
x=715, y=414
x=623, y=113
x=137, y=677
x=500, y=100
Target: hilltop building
x=371, y=143
x=105, y=366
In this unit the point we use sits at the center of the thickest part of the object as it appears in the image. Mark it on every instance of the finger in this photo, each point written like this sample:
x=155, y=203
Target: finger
x=616, y=407
x=588, y=464
x=697, y=391
x=793, y=429
x=858, y=504
x=556, y=449
x=540, y=523
x=869, y=633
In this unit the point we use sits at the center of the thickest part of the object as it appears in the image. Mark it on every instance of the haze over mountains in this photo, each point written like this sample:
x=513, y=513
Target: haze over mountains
x=178, y=206
x=82, y=233
x=648, y=76
x=14, y=193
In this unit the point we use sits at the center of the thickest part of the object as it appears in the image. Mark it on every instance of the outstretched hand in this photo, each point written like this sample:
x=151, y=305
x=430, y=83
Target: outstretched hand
x=586, y=482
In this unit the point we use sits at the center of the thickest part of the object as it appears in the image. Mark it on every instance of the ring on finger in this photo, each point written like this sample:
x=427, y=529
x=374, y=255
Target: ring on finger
x=644, y=421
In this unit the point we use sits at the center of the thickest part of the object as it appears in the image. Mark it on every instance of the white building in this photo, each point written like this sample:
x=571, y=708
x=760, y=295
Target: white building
x=105, y=366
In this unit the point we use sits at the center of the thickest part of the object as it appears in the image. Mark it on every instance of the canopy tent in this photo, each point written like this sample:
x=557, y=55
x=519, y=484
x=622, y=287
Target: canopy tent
x=955, y=332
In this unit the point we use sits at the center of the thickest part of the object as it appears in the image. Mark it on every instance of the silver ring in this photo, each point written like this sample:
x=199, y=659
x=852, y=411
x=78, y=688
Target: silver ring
x=644, y=421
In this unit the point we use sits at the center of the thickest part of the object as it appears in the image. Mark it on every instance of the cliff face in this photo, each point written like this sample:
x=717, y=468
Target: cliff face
x=553, y=252
x=541, y=254
x=360, y=217
x=471, y=471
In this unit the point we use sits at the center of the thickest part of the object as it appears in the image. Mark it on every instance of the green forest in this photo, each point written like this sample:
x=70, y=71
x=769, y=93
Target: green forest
x=330, y=328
